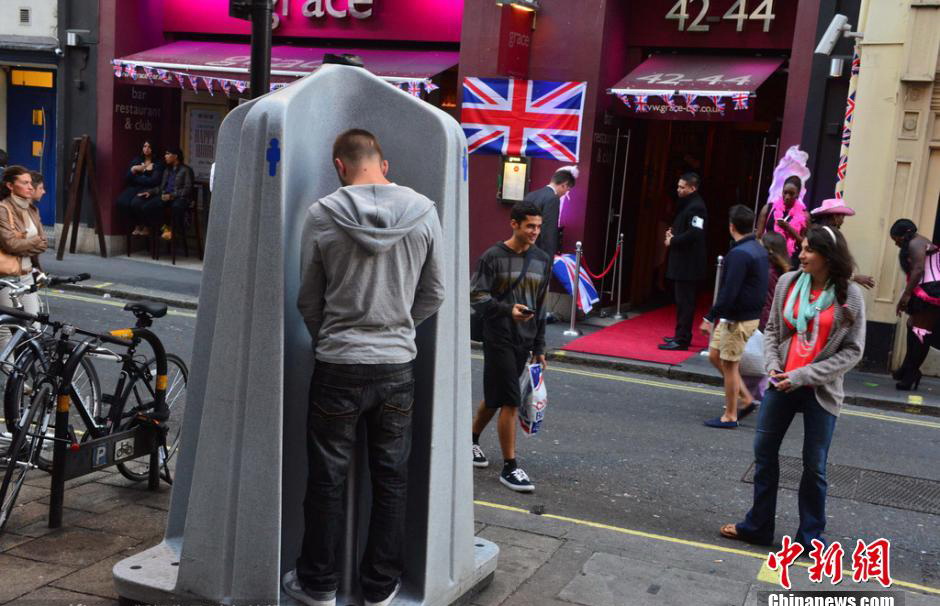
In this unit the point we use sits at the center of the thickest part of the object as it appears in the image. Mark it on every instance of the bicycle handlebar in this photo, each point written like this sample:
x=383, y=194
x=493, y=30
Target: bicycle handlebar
x=56, y=280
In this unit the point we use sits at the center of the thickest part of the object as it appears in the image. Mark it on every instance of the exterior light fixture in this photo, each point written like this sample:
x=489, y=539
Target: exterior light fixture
x=836, y=67
x=529, y=5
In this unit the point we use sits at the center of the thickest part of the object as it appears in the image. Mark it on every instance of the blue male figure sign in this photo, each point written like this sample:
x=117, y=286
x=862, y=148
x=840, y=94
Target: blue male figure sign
x=273, y=157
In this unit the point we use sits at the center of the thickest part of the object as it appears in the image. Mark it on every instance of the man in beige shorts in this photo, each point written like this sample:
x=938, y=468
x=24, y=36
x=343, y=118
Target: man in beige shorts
x=737, y=310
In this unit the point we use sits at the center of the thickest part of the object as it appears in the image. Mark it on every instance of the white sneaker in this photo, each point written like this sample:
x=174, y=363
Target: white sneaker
x=517, y=480
x=479, y=459
x=294, y=589
x=387, y=600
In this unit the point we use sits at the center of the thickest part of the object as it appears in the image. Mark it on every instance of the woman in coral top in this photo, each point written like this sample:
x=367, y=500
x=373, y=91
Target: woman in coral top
x=815, y=334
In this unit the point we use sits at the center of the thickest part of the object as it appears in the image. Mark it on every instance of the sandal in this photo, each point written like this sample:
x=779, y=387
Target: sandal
x=730, y=531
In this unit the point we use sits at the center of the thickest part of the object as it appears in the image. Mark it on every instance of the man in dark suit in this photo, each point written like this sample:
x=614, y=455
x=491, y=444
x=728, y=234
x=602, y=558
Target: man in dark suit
x=548, y=200
x=687, y=257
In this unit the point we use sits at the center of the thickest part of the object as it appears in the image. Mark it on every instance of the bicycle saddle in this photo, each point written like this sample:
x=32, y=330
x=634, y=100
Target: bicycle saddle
x=147, y=308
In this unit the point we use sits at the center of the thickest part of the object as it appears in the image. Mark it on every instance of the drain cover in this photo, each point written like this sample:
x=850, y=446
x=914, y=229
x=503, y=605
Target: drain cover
x=865, y=485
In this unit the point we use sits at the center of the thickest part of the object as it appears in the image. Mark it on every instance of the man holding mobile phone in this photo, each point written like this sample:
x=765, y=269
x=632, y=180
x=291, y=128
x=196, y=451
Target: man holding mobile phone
x=509, y=291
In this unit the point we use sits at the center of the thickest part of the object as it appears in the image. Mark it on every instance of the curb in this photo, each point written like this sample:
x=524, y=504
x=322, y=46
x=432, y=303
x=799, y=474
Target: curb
x=135, y=294
x=679, y=374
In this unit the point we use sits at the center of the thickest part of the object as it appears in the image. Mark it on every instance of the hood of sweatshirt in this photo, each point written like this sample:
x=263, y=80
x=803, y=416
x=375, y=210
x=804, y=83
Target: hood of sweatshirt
x=376, y=216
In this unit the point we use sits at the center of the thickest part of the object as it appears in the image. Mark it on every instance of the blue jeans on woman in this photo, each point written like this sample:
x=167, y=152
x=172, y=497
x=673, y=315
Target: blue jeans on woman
x=776, y=413
x=382, y=395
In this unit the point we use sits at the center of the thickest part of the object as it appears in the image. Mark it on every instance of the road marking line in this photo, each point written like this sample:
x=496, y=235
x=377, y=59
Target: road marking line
x=58, y=294
x=678, y=541
x=104, y=284
x=715, y=392
x=767, y=575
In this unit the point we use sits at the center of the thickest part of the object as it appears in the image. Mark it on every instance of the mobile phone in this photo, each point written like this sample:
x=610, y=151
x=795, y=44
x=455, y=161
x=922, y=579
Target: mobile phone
x=528, y=312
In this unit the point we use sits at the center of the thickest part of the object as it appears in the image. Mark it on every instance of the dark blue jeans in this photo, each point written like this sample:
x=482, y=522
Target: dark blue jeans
x=382, y=395
x=776, y=413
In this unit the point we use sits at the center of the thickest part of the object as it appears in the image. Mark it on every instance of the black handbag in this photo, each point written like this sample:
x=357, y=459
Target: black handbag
x=476, y=320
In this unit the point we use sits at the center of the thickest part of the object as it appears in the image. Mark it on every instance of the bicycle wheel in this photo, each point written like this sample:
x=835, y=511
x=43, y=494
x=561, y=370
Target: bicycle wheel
x=20, y=389
x=24, y=450
x=140, y=395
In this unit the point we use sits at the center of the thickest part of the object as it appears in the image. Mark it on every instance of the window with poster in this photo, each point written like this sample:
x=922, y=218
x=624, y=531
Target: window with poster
x=201, y=124
x=513, y=179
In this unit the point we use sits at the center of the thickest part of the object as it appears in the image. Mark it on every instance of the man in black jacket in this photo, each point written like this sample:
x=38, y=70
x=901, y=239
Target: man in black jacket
x=738, y=305
x=687, y=257
x=548, y=200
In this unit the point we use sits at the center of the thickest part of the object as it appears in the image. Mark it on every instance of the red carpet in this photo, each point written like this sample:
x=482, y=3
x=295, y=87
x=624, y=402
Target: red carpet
x=638, y=338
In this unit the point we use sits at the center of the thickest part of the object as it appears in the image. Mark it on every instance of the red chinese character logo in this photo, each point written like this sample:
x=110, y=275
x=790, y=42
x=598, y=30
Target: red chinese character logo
x=783, y=559
x=826, y=563
x=872, y=561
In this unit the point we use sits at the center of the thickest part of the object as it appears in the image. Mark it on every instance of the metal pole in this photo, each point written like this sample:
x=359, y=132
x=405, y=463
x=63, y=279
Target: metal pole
x=260, y=47
x=575, y=292
x=721, y=265
x=610, y=209
x=619, y=276
x=760, y=174
x=57, y=486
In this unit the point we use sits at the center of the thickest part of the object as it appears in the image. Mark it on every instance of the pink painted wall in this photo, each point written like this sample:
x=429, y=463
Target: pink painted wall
x=413, y=20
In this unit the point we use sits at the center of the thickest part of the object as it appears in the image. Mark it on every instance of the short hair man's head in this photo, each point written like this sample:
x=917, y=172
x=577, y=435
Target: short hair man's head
x=563, y=180
x=525, y=219
x=173, y=156
x=741, y=219
x=357, y=154
x=4, y=158
x=688, y=184
x=39, y=188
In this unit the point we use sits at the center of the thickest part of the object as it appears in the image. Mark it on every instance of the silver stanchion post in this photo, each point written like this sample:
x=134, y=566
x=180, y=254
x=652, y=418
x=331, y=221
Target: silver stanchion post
x=720, y=267
x=576, y=287
x=619, y=277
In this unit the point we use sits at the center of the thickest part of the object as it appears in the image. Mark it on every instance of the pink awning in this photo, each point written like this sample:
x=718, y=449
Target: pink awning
x=232, y=60
x=697, y=75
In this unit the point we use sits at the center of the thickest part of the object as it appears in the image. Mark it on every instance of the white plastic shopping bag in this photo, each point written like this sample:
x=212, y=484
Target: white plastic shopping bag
x=752, y=362
x=534, y=398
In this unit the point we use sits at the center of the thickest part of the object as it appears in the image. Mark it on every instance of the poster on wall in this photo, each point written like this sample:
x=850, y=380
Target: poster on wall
x=202, y=129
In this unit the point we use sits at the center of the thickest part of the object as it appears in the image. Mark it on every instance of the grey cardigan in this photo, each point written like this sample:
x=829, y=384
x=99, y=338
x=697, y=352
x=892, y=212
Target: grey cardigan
x=840, y=354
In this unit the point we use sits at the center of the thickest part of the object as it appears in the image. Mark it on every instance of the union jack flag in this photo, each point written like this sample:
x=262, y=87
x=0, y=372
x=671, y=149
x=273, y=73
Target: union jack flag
x=413, y=88
x=118, y=70
x=226, y=87
x=642, y=103
x=740, y=100
x=430, y=87
x=626, y=100
x=690, y=103
x=532, y=118
x=130, y=71
x=181, y=79
x=194, y=82
x=671, y=100
x=241, y=86
x=564, y=267
x=716, y=101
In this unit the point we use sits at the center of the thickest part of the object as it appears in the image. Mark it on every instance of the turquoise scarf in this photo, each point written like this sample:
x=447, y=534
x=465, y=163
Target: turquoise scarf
x=807, y=310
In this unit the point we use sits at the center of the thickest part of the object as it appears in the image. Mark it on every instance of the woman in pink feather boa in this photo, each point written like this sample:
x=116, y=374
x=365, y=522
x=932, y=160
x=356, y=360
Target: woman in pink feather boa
x=786, y=215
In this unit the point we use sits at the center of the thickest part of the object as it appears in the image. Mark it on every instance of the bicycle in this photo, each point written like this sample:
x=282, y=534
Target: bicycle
x=156, y=396
x=29, y=343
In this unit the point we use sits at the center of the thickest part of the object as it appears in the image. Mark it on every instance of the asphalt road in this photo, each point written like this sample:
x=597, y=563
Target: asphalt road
x=631, y=452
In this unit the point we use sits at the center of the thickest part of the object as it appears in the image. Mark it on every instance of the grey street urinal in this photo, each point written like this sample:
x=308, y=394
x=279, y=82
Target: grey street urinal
x=235, y=520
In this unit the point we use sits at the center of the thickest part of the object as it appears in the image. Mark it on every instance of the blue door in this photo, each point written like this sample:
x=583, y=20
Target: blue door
x=31, y=131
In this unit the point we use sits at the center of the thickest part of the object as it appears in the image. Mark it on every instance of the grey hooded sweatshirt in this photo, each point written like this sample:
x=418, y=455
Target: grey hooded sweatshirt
x=370, y=271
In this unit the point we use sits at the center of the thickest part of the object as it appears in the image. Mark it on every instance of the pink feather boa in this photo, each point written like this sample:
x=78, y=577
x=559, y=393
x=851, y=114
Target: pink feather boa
x=797, y=220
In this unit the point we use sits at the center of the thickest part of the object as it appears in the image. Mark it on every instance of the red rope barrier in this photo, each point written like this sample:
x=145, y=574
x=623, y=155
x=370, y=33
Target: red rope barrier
x=606, y=271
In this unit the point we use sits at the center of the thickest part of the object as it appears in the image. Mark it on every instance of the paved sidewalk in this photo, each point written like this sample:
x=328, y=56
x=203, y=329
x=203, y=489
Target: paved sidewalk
x=544, y=560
